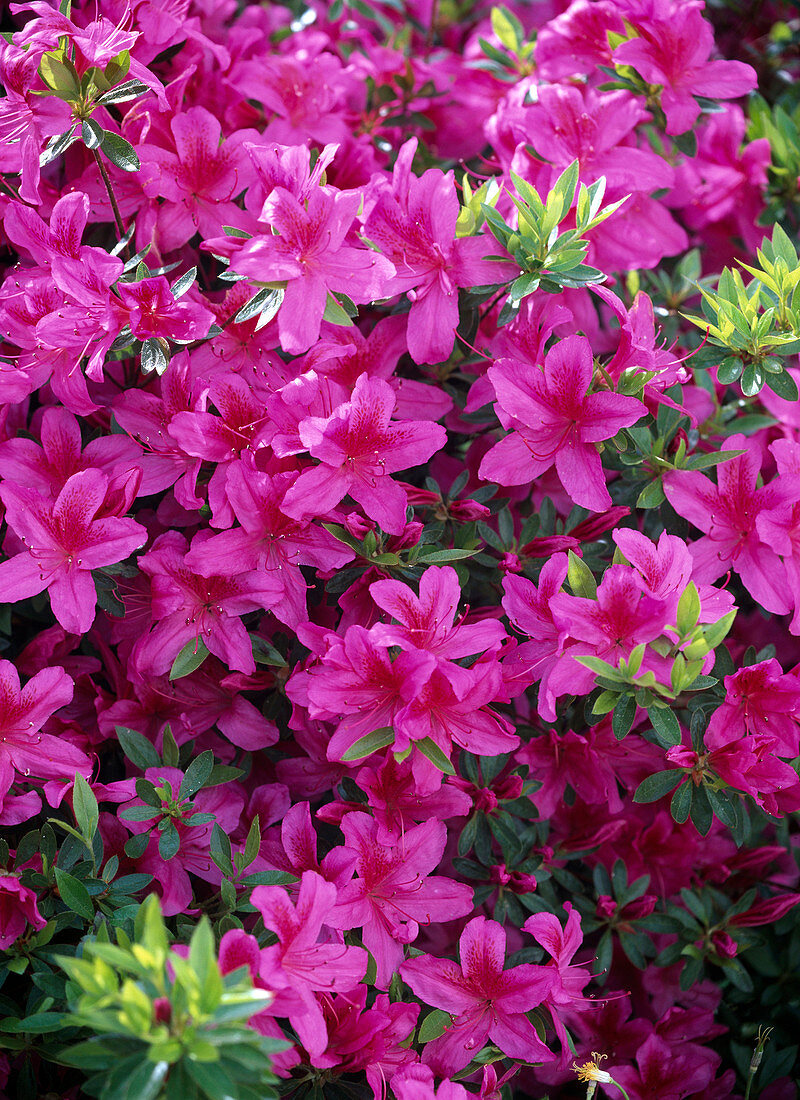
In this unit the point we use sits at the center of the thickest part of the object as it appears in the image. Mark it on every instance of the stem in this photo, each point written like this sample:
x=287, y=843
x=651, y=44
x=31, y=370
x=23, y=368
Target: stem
x=112, y=199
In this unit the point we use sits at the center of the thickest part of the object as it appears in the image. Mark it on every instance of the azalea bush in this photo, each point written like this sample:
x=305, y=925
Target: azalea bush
x=400, y=572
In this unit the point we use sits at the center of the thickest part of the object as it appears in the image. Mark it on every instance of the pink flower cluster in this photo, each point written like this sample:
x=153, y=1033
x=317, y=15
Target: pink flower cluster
x=291, y=488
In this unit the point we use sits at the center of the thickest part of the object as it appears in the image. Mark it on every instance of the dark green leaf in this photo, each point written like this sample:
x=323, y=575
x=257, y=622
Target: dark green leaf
x=265, y=303
x=196, y=774
x=220, y=849
x=120, y=152
x=700, y=812
x=446, y=555
x=783, y=385
x=665, y=726
x=622, y=717
x=169, y=842
x=681, y=802
x=131, y=89
x=657, y=785
x=137, y=748
x=74, y=894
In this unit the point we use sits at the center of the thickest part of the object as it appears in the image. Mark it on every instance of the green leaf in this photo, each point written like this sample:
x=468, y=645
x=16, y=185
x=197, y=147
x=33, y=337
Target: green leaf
x=722, y=807
x=153, y=356
x=57, y=145
x=523, y=286
x=783, y=385
x=266, y=654
x=196, y=774
x=84, y=805
x=169, y=842
x=681, y=803
x=507, y=29
x=700, y=811
x=652, y=496
x=665, y=726
x=687, y=143
x=729, y=369
x=369, y=743
x=135, y=846
x=131, y=89
x=580, y=577
x=688, y=609
x=752, y=380
x=253, y=844
x=120, y=152
x=146, y=1080
x=265, y=301
x=220, y=850
x=431, y=750
x=184, y=284
x=137, y=748
x=705, y=462
x=334, y=313
x=622, y=718
x=74, y=894
x=434, y=1025
x=190, y=657
x=59, y=74
x=91, y=133
x=446, y=555
x=170, y=752
x=657, y=785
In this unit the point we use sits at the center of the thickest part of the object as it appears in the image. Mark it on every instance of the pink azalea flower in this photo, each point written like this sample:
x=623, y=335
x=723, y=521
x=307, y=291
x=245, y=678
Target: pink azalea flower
x=396, y=800
x=24, y=750
x=268, y=539
x=357, y=682
x=48, y=467
x=394, y=892
x=427, y=622
x=621, y=617
x=416, y=1082
x=371, y=1040
x=187, y=605
x=152, y=310
x=414, y=225
x=445, y=716
x=148, y=417
x=198, y=179
x=297, y=850
x=568, y=979
x=728, y=514
x=556, y=421
x=299, y=965
x=486, y=1001
x=358, y=448
x=674, y=51
x=761, y=699
x=66, y=541
x=310, y=255
x=26, y=119
x=18, y=910
x=667, y=1070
